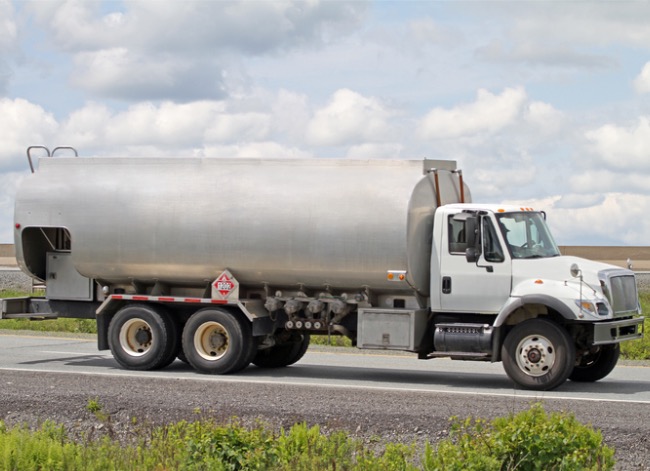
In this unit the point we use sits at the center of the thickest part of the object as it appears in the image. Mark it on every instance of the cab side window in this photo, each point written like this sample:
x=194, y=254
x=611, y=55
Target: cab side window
x=457, y=239
x=491, y=246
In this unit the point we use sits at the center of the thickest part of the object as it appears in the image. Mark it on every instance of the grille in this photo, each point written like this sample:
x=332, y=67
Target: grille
x=621, y=291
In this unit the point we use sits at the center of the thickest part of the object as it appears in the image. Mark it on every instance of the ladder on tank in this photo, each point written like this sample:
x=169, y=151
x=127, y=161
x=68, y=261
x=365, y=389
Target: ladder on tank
x=437, y=184
x=49, y=154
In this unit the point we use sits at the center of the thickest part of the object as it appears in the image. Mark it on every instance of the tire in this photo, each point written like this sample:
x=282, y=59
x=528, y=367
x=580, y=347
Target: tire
x=217, y=342
x=538, y=354
x=143, y=337
x=596, y=365
x=282, y=355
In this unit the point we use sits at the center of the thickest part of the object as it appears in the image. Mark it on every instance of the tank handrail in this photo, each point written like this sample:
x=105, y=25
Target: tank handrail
x=76, y=154
x=49, y=154
x=436, y=183
x=29, y=155
x=459, y=172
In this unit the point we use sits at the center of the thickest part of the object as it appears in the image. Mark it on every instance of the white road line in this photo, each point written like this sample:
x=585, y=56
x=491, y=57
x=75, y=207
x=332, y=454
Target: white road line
x=514, y=395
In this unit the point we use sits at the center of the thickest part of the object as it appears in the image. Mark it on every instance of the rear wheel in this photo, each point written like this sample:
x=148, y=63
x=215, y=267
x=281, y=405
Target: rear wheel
x=538, y=354
x=597, y=364
x=283, y=354
x=217, y=342
x=143, y=337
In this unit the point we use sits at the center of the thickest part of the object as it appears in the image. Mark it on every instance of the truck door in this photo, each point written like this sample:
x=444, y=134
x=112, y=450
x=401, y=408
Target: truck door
x=483, y=286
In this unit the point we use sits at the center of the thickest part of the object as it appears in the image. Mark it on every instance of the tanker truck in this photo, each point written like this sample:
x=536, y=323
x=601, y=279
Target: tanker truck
x=227, y=262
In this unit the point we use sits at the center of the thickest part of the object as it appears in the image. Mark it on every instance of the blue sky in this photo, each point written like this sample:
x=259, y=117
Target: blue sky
x=545, y=104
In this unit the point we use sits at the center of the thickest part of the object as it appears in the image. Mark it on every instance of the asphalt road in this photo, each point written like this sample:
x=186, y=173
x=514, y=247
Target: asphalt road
x=325, y=367
x=393, y=396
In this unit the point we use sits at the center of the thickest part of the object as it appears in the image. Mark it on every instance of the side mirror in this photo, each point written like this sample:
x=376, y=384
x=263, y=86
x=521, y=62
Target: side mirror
x=575, y=270
x=472, y=255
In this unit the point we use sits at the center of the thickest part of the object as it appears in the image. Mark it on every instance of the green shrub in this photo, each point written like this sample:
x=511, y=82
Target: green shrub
x=332, y=340
x=530, y=440
x=640, y=349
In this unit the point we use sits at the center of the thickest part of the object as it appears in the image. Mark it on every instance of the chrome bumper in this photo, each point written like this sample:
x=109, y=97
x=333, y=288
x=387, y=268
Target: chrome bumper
x=618, y=331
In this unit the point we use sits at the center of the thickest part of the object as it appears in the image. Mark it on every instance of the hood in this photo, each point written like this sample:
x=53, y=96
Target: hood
x=559, y=269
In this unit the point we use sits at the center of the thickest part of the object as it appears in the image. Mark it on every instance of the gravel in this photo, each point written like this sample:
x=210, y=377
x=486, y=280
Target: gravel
x=375, y=416
x=14, y=279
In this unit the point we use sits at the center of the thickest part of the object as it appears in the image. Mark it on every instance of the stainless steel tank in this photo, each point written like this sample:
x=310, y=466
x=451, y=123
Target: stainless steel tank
x=316, y=222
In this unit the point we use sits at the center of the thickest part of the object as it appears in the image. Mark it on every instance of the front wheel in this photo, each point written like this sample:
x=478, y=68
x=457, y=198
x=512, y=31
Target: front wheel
x=597, y=364
x=538, y=354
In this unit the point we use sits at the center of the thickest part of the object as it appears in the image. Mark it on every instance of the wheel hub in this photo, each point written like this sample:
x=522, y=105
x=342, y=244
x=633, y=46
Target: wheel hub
x=217, y=340
x=535, y=355
x=211, y=341
x=143, y=336
x=135, y=337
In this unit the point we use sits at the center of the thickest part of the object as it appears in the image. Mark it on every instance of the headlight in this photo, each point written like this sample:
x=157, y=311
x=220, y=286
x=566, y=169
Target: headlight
x=586, y=306
x=598, y=308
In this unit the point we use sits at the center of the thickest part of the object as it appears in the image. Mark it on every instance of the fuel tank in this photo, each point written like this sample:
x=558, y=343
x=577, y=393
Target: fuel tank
x=311, y=222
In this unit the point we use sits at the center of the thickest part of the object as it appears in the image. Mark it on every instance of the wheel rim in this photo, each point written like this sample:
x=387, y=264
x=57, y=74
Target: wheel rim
x=211, y=341
x=535, y=355
x=136, y=338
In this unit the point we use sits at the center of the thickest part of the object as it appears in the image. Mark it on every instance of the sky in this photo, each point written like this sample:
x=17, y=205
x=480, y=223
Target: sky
x=542, y=104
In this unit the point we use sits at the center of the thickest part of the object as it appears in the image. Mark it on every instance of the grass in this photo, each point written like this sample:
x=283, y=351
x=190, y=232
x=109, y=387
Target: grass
x=531, y=439
x=639, y=349
x=633, y=350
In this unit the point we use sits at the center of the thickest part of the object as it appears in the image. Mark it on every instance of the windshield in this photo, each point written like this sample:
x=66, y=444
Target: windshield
x=527, y=235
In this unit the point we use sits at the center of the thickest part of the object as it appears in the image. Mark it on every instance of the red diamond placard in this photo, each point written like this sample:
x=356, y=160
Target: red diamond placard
x=224, y=285
x=225, y=288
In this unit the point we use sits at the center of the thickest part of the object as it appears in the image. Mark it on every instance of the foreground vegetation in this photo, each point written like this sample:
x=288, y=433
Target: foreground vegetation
x=530, y=440
x=635, y=350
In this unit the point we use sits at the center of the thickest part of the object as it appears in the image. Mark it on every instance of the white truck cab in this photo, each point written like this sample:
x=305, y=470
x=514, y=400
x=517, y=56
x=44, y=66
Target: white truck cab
x=502, y=263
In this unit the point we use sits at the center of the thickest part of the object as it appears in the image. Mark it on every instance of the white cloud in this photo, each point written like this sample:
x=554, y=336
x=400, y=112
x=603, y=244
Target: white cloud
x=8, y=42
x=542, y=54
x=544, y=118
x=492, y=181
x=642, y=81
x=578, y=201
x=291, y=115
x=252, y=27
x=621, y=147
x=349, y=118
x=598, y=23
x=180, y=50
x=120, y=73
x=489, y=114
x=8, y=28
x=607, y=181
x=22, y=124
x=376, y=151
x=617, y=218
x=183, y=129
x=165, y=125
x=244, y=127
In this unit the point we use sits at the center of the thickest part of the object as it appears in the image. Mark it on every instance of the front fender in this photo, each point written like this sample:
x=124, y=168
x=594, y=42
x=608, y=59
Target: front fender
x=551, y=302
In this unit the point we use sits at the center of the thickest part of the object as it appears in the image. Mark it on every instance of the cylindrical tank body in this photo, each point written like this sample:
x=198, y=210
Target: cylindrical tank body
x=317, y=222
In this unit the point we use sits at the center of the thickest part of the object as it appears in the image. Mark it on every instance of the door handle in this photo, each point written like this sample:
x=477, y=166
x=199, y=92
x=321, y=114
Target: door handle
x=446, y=284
